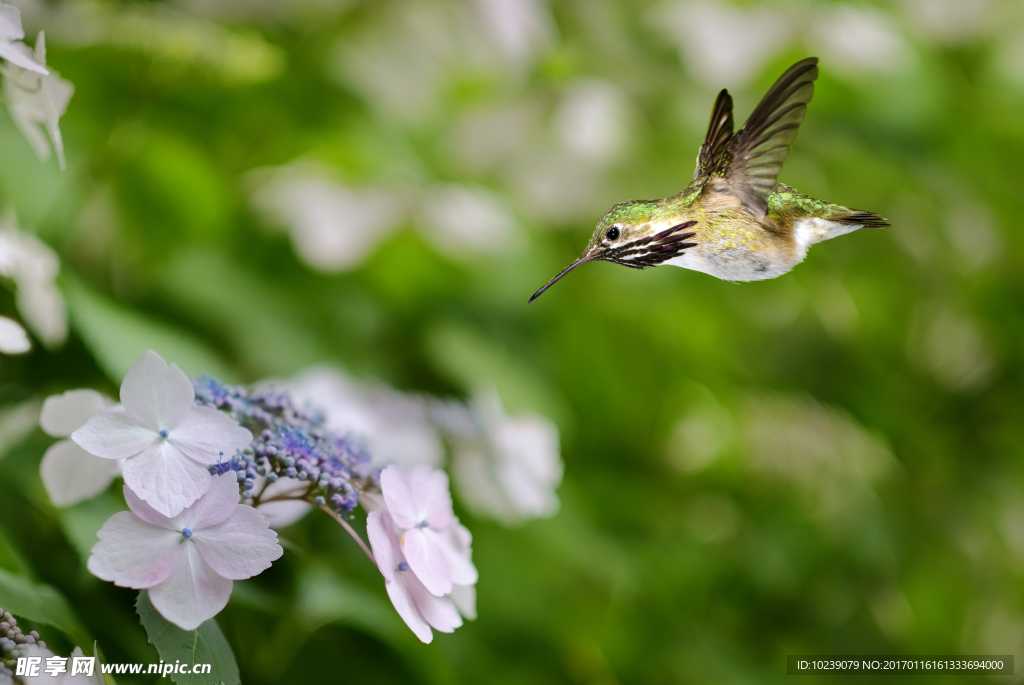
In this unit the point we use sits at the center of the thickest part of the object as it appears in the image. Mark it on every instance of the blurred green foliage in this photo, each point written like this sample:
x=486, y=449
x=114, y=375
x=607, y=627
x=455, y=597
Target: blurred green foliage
x=829, y=462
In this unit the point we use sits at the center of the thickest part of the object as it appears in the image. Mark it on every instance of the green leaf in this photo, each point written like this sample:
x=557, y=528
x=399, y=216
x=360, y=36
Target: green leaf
x=205, y=645
x=116, y=336
x=42, y=604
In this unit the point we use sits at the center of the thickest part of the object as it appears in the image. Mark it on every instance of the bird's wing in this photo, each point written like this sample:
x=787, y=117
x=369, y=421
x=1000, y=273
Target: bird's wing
x=719, y=132
x=752, y=159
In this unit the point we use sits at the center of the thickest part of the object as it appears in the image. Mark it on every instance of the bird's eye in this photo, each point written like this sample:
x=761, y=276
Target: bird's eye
x=612, y=233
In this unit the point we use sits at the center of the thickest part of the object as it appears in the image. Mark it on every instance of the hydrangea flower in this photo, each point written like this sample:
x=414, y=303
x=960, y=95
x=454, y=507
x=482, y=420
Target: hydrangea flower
x=11, y=47
x=418, y=606
x=509, y=469
x=165, y=439
x=187, y=562
x=69, y=473
x=13, y=338
x=37, y=100
x=33, y=266
x=419, y=503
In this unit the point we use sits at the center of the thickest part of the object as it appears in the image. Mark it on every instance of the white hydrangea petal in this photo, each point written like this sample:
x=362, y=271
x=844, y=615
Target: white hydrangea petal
x=132, y=553
x=283, y=513
x=70, y=474
x=464, y=597
x=25, y=120
x=402, y=600
x=439, y=612
x=113, y=434
x=13, y=338
x=193, y=593
x=241, y=547
x=426, y=560
x=148, y=513
x=384, y=545
x=165, y=478
x=395, y=491
x=455, y=554
x=63, y=414
x=215, y=506
x=207, y=435
x=421, y=494
x=155, y=394
x=431, y=496
x=19, y=55
x=42, y=308
x=10, y=23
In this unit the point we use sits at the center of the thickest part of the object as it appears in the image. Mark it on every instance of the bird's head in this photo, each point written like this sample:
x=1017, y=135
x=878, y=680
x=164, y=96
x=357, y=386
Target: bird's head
x=632, y=234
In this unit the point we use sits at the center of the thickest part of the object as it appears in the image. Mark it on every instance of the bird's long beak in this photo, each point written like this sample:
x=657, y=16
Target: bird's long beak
x=582, y=260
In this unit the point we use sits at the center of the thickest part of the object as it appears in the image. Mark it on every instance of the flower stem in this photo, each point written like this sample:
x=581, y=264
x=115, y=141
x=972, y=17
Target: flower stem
x=355, y=535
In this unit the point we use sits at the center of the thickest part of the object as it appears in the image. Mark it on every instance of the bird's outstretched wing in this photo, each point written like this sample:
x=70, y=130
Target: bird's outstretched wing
x=752, y=159
x=719, y=132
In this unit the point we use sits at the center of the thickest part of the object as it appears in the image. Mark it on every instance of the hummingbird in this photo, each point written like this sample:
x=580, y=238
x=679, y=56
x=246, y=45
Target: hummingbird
x=734, y=221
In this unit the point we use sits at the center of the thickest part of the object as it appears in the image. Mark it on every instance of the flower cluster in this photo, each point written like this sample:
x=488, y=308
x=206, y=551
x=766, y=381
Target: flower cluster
x=49, y=668
x=13, y=643
x=209, y=467
x=290, y=443
x=423, y=551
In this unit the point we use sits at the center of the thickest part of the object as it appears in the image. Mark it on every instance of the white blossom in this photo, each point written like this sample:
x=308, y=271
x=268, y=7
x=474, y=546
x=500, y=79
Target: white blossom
x=511, y=467
x=37, y=100
x=432, y=540
x=33, y=266
x=165, y=439
x=13, y=338
x=11, y=47
x=187, y=562
x=418, y=607
x=333, y=227
x=69, y=473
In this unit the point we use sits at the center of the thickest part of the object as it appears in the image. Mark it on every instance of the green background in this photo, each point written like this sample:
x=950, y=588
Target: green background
x=829, y=462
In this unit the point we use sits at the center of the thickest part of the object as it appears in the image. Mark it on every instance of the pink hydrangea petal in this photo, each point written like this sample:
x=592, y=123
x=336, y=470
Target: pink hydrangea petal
x=426, y=561
x=193, y=593
x=114, y=435
x=464, y=597
x=401, y=598
x=156, y=395
x=439, y=612
x=455, y=554
x=132, y=553
x=206, y=434
x=241, y=547
x=397, y=496
x=70, y=474
x=165, y=478
x=63, y=414
x=431, y=496
x=215, y=506
x=148, y=513
x=385, y=551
